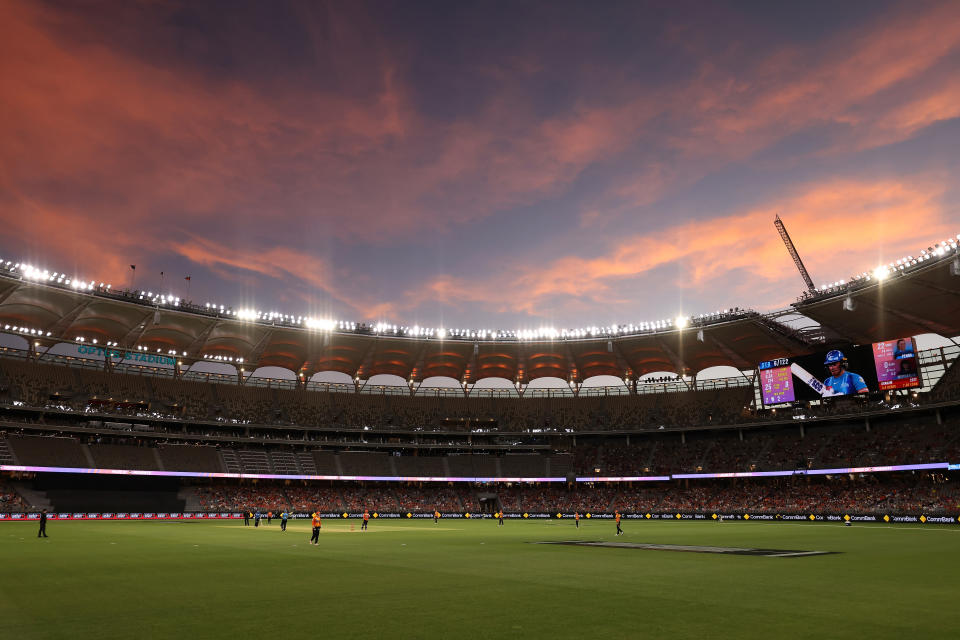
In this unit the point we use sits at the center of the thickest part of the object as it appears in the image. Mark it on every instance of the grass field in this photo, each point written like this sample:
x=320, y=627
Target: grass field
x=415, y=579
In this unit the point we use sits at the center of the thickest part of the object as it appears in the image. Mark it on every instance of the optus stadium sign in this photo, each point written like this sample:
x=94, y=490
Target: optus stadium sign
x=131, y=356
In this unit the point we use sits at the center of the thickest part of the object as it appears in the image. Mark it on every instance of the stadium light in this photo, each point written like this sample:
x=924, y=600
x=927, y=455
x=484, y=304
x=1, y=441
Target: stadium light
x=937, y=251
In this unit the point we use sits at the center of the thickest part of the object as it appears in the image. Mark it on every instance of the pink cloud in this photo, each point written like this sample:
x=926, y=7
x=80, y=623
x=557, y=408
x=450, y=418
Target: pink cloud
x=841, y=228
x=99, y=143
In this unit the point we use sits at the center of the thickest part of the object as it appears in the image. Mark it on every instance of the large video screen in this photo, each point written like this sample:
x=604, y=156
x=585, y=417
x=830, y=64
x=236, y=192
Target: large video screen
x=896, y=364
x=844, y=371
x=776, y=382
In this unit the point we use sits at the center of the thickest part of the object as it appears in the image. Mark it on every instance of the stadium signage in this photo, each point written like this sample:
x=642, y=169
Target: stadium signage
x=132, y=356
x=694, y=516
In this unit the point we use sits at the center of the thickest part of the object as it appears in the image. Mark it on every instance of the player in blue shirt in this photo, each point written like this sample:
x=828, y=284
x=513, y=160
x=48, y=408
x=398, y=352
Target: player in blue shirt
x=841, y=382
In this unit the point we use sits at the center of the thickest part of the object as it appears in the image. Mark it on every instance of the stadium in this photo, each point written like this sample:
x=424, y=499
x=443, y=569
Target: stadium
x=144, y=430
x=456, y=320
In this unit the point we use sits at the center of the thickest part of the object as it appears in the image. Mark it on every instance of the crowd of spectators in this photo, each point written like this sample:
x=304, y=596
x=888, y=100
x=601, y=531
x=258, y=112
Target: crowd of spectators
x=86, y=390
x=913, y=493
x=263, y=497
x=904, y=442
x=330, y=498
x=914, y=440
x=10, y=500
x=863, y=493
x=523, y=498
x=904, y=493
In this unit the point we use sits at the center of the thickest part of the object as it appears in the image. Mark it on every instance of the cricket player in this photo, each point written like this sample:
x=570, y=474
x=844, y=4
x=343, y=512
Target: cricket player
x=841, y=382
x=315, y=538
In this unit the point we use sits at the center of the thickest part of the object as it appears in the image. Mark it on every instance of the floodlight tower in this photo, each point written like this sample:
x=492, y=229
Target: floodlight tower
x=778, y=223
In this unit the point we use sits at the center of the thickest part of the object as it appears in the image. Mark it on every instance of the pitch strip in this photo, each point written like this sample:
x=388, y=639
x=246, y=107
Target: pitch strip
x=769, y=553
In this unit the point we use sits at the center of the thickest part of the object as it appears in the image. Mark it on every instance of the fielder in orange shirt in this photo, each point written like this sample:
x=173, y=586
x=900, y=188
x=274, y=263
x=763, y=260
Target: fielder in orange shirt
x=315, y=538
x=617, y=516
x=366, y=519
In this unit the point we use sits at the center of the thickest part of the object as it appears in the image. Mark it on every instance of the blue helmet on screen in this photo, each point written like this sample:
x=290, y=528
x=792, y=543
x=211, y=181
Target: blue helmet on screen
x=835, y=357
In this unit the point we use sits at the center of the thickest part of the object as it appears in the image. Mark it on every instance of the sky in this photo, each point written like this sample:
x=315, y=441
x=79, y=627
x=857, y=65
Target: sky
x=490, y=164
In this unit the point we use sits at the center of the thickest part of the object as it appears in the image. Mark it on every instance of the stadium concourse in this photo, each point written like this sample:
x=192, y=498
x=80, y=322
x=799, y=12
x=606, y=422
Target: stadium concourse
x=104, y=405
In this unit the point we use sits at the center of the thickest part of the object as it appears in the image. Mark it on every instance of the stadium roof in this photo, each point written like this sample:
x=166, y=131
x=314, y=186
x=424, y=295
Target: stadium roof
x=926, y=300
x=923, y=299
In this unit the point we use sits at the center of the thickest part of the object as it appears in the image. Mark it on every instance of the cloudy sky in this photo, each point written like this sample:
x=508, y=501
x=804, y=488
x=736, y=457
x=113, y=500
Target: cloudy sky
x=488, y=164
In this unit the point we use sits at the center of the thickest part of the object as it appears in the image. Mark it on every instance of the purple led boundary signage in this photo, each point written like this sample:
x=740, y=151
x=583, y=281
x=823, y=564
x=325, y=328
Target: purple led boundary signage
x=896, y=467
x=739, y=474
x=267, y=476
x=622, y=478
x=675, y=476
x=813, y=472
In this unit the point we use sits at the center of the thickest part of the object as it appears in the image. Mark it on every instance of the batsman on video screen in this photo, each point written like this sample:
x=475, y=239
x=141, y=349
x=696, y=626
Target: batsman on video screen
x=842, y=382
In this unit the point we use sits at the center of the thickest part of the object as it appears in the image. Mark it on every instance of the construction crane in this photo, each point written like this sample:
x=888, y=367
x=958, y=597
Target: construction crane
x=778, y=223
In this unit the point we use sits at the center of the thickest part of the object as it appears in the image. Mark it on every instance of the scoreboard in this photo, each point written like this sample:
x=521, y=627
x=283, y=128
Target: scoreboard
x=896, y=364
x=776, y=382
x=886, y=366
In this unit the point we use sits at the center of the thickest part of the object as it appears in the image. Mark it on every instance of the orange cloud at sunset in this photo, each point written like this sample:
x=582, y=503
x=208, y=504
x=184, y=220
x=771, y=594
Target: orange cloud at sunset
x=840, y=228
x=390, y=169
